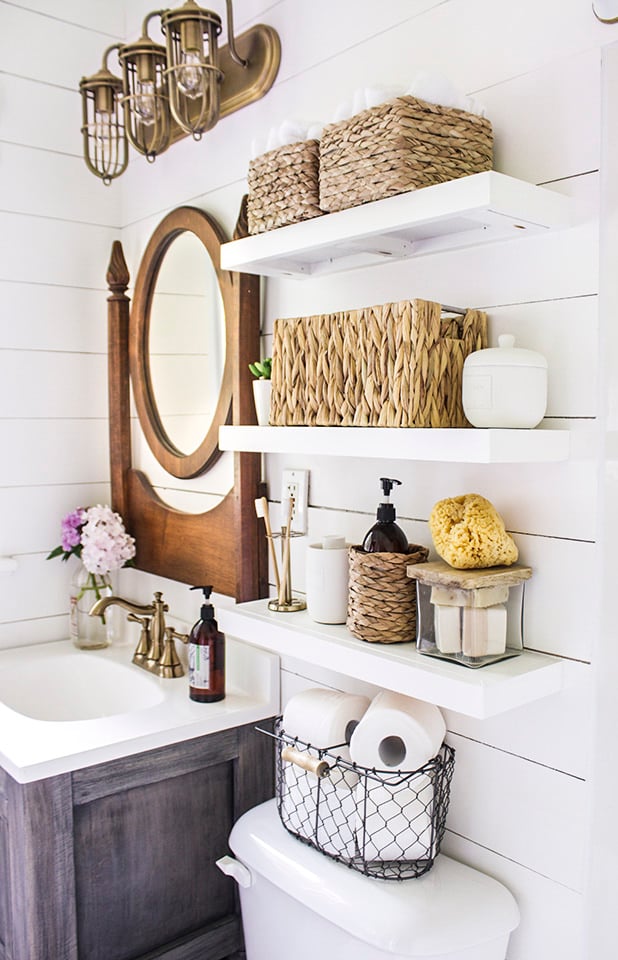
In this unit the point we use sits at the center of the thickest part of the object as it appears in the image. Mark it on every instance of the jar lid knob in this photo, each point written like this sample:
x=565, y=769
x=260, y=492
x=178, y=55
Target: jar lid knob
x=506, y=340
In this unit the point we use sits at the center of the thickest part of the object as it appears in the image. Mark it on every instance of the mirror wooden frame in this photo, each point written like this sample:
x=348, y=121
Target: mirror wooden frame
x=224, y=546
x=179, y=221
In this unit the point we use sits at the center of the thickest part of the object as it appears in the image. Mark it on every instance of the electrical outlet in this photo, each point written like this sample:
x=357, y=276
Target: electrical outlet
x=295, y=483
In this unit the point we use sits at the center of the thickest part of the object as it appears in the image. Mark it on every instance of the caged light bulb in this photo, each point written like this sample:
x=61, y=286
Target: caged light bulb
x=190, y=74
x=145, y=102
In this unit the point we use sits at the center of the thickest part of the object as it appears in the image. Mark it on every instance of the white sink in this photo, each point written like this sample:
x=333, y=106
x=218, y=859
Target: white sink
x=52, y=683
x=62, y=709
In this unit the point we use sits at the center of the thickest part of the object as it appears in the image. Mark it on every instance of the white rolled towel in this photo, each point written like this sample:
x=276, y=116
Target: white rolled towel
x=394, y=819
x=315, y=130
x=374, y=96
x=292, y=131
x=439, y=89
x=397, y=732
x=343, y=111
x=258, y=147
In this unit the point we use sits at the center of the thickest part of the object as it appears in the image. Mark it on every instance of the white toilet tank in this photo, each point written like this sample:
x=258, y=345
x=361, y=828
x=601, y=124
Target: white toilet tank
x=298, y=903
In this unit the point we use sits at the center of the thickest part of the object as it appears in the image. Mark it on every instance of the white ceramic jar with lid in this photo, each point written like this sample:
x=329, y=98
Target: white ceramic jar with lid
x=505, y=386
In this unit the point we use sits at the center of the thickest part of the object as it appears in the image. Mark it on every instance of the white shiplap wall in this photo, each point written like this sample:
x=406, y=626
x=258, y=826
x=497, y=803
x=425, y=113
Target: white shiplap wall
x=526, y=806
x=56, y=227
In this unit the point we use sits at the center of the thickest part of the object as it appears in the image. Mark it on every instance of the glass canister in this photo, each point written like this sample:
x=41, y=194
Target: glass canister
x=471, y=617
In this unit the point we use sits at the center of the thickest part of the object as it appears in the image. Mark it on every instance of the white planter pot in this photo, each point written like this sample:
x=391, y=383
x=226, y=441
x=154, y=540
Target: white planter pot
x=261, y=396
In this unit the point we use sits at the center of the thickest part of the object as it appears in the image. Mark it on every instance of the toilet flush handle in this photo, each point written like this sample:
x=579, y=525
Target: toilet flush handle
x=234, y=868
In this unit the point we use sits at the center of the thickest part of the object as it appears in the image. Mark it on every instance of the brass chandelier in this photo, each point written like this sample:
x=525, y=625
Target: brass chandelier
x=172, y=91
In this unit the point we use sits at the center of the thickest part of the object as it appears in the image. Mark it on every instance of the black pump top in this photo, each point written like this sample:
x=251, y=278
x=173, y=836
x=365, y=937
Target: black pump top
x=208, y=611
x=386, y=510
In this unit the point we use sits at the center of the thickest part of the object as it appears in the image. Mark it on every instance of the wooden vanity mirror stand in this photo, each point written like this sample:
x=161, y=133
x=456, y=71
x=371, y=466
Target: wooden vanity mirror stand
x=223, y=546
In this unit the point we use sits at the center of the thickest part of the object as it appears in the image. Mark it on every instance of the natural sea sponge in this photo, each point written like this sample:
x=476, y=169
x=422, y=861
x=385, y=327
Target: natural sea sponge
x=468, y=532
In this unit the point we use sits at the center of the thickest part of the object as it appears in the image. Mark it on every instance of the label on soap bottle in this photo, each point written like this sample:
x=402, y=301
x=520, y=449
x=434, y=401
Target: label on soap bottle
x=199, y=666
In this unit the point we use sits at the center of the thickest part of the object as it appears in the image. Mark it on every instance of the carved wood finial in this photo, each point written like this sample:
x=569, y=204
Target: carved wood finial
x=117, y=272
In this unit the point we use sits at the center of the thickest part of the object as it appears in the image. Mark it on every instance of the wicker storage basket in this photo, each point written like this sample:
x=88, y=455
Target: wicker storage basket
x=381, y=604
x=394, y=365
x=398, y=146
x=283, y=186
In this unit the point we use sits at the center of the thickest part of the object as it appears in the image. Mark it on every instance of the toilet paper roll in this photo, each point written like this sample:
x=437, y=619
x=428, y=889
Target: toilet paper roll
x=323, y=717
x=322, y=811
x=397, y=732
x=394, y=820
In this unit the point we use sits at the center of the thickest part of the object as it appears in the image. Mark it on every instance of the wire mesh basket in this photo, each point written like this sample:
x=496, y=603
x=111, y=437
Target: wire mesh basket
x=384, y=823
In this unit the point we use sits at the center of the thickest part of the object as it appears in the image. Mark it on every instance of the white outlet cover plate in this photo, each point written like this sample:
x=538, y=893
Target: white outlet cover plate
x=299, y=479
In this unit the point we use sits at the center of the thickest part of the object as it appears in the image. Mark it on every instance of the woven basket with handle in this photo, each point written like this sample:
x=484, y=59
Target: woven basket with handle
x=394, y=365
x=381, y=602
x=283, y=186
x=397, y=146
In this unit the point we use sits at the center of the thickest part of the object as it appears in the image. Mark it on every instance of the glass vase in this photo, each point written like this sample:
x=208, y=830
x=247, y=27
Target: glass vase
x=86, y=632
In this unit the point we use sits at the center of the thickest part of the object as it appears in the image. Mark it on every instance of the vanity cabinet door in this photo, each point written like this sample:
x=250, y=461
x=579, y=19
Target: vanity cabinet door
x=117, y=861
x=145, y=863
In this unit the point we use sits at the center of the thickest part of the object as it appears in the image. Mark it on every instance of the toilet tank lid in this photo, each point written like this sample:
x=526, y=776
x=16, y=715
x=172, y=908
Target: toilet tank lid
x=450, y=908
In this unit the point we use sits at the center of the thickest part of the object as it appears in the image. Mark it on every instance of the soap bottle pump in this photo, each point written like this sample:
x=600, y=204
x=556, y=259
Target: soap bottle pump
x=386, y=536
x=206, y=655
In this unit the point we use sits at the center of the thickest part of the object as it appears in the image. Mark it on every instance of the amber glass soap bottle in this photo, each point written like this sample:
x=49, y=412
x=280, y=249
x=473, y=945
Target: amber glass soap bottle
x=206, y=655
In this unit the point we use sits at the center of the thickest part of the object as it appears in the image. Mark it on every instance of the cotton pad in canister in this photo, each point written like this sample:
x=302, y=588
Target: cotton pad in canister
x=323, y=717
x=397, y=732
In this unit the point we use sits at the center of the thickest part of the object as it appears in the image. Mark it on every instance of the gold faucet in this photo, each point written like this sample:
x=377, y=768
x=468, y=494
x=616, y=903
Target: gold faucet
x=155, y=651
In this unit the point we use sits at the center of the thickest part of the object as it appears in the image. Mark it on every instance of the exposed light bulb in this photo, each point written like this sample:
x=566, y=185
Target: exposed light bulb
x=102, y=130
x=145, y=102
x=190, y=74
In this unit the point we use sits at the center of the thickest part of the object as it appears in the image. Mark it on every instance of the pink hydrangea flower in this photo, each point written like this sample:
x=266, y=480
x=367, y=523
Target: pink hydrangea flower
x=106, y=546
x=97, y=535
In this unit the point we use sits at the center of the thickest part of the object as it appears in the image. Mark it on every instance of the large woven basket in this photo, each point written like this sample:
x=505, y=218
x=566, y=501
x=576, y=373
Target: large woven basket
x=381, y=602
x=398, y=146
x=393, y=365
x=283, y=186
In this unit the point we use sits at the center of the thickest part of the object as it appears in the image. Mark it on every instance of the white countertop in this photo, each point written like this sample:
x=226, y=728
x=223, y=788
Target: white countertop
x=32, y=749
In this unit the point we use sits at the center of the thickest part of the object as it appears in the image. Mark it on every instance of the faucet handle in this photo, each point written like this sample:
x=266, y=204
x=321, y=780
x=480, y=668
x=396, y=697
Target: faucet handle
x=143, y=646
x=169, y=665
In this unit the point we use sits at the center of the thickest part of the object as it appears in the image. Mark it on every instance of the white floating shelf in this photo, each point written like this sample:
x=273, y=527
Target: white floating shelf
x=480, y=693
x=482, y=208
x=396, y=443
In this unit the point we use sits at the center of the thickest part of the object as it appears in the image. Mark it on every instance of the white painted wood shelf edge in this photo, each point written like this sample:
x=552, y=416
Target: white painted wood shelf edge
x=482, y=208
x=445, y=445
x=480, y=693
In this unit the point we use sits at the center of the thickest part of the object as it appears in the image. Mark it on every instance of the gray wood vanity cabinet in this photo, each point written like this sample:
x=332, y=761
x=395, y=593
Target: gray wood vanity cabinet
x=117, y=861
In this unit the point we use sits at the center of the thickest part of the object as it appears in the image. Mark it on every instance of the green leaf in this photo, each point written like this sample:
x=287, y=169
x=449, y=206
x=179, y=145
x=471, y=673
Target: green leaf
x=262, y=369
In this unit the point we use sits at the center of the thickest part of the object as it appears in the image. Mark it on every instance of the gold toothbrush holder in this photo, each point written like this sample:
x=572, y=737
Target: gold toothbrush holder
x=284, y=602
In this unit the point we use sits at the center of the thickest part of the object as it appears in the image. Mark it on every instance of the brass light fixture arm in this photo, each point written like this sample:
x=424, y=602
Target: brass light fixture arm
x=231, y=44
x=106, y=53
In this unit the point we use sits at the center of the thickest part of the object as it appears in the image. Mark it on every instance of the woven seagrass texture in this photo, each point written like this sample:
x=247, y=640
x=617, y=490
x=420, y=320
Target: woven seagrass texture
x=283, y=186
x=398, y=146
x=393, y=365
x=381, y=596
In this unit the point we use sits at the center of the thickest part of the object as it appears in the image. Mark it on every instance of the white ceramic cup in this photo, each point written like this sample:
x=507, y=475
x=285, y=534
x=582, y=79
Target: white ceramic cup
x=327, y=580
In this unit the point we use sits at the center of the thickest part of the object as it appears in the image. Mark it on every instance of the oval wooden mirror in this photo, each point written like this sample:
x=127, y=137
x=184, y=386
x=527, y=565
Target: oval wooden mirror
x=222, y=546
x=201, y=283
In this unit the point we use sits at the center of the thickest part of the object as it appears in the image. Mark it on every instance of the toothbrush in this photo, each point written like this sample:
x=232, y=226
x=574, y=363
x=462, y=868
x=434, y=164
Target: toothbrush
x=286, y=586
x=261, y=509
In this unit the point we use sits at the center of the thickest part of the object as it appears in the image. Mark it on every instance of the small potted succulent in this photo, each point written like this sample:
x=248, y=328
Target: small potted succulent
x=261, y=370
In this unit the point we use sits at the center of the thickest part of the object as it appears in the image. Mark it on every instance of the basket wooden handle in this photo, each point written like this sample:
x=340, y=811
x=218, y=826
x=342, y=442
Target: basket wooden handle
x=313, y=764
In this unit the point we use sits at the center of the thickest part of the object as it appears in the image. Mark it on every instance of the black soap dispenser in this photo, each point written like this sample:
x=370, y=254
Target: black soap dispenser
x=386, y=536
x=206, y=655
